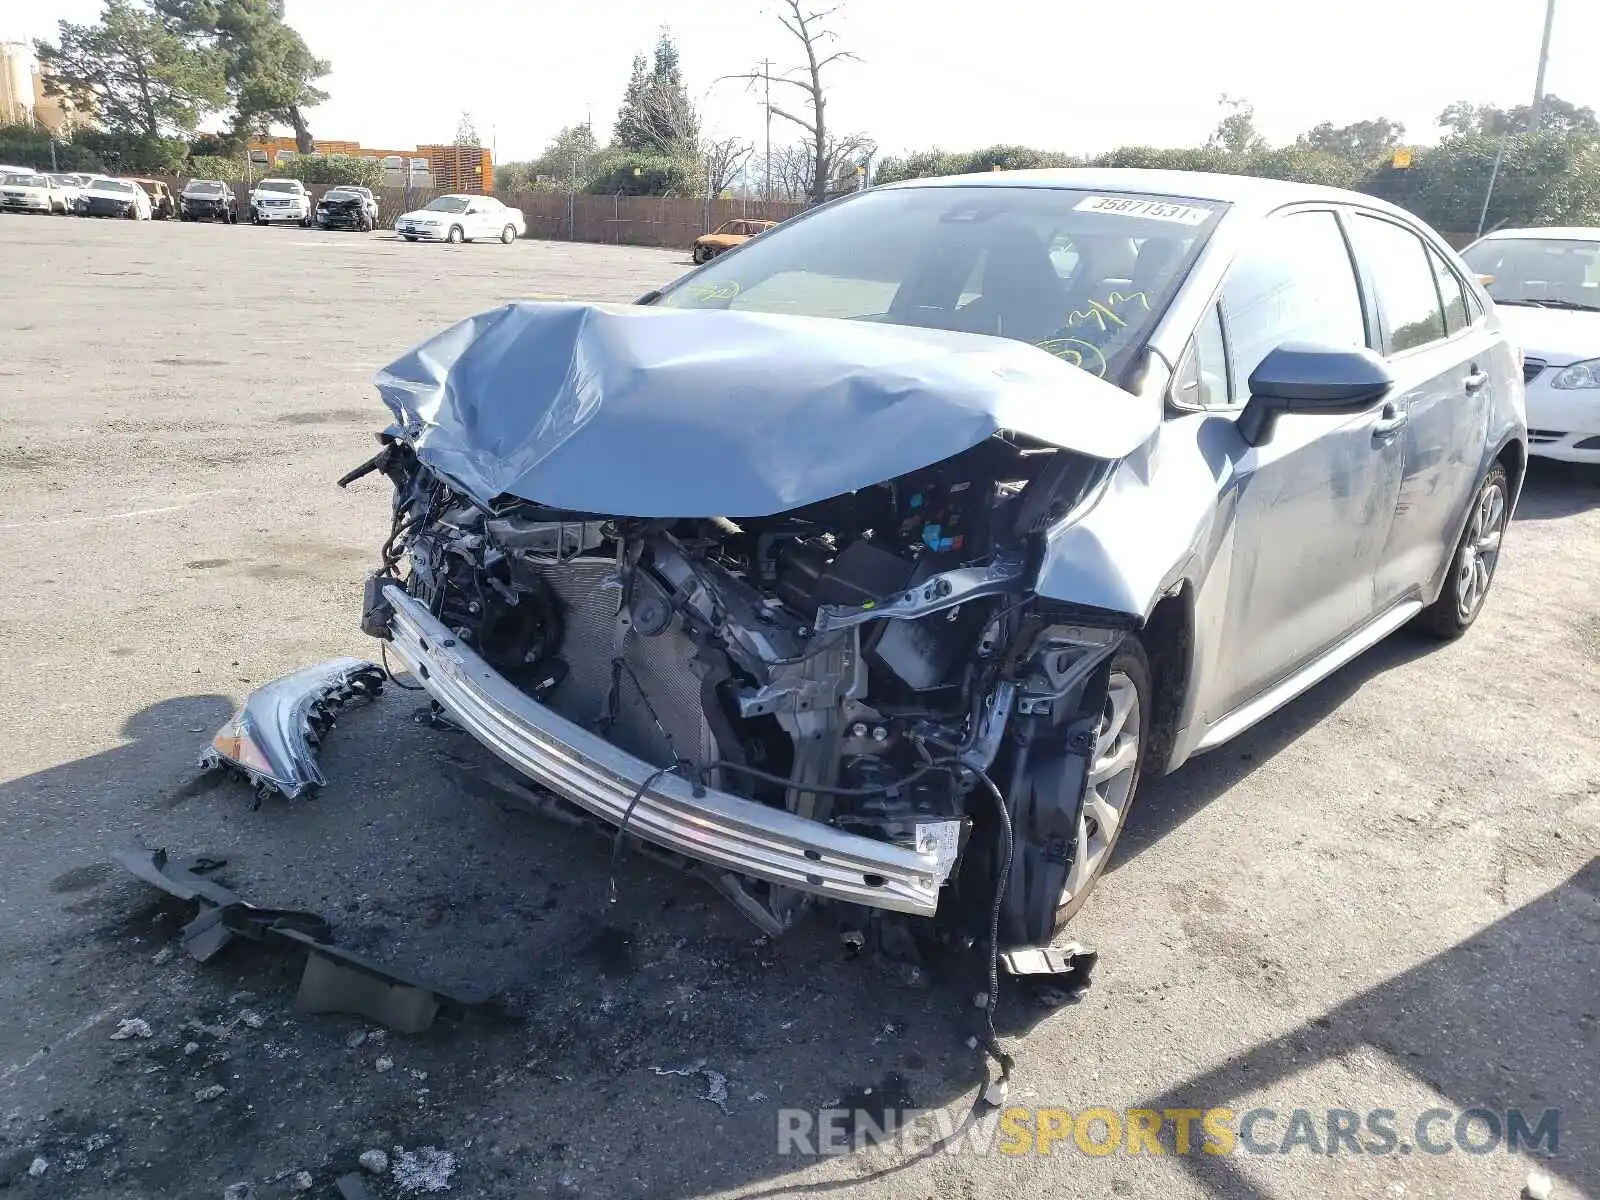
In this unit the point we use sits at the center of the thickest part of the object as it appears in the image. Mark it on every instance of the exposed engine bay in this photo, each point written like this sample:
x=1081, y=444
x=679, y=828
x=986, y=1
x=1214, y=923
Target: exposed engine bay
x=854, y=661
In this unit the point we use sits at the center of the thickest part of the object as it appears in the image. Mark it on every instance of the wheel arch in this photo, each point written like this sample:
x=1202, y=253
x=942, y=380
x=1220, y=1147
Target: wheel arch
x=1513, y=456
x=1167, y=636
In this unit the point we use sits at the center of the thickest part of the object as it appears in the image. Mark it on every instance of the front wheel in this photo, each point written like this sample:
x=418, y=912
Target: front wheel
x=410, y=237
x=1472, y=567
x=456, y=236
x=700, y=254
x=1114, y=769
x=508, y=234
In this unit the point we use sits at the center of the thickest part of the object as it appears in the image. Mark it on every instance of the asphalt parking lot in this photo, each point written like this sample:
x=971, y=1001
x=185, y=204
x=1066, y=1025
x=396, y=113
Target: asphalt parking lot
x=1385, y=897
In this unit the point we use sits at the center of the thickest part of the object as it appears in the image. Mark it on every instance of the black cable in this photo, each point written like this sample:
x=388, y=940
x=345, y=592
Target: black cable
x=991, y=1042
x=675, y=768
x=383, y=652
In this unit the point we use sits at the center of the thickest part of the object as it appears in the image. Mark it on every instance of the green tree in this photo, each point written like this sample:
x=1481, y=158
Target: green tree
x=331, y=168
x=271, y=73
x=467, y=132
x=657, y=116
x=1485, y=120
x=1236, y=132
x=137, y=76
x=617, y=171
x=1360, y=141
x=570, y=155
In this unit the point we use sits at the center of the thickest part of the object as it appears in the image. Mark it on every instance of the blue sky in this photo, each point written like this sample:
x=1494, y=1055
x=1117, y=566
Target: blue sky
x=1070, y=75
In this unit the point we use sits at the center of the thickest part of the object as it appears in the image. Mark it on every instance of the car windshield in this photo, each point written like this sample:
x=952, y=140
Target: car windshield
x=63, y=181
x=203, y=188
x=278, y=185
x=111, y=185
x=27, y=181
x=446, y=204
x=342, y=194
x=1081, y=274
x=1542, y=272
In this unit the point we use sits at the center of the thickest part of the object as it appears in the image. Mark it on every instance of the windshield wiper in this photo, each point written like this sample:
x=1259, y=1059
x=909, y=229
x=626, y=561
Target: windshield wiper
x=1547, y=302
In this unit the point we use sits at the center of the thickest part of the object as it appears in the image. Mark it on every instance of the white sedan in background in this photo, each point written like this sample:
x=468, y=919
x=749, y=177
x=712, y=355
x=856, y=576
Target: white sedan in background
x=1546, y=284
x=462, y=219
x=30, y=192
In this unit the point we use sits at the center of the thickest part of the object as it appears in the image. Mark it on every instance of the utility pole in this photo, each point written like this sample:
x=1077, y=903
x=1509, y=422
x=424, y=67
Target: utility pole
x=1535, y=112
x=766, y=75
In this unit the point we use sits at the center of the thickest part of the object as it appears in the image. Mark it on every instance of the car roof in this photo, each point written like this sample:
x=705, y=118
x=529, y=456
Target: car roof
x=1565, y=233
x=1247, y=192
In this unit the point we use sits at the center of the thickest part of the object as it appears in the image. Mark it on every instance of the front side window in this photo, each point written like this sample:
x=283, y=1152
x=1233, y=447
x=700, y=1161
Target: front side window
x=1202, y=380
x=1402, y=277
x=1294, y=283
x=1083, y=275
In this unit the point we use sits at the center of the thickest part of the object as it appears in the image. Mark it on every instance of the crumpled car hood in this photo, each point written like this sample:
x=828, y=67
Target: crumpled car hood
x=630, y=410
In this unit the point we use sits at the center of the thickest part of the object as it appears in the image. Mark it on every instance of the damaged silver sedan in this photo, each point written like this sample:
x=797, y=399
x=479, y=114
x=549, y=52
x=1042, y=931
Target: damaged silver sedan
x=878, y=559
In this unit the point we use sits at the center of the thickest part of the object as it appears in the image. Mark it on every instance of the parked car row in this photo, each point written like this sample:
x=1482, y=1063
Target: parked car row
x=453, y=218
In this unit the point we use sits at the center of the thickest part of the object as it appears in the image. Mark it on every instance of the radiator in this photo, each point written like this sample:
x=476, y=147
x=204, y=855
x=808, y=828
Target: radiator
x=659, y=715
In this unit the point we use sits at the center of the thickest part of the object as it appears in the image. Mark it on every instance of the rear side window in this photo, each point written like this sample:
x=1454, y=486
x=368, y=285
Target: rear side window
x=1457, y=316
x=1399, y=264
x=1295, y=283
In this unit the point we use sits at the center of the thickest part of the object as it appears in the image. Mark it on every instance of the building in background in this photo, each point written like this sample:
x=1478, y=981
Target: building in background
x=448, y=168
x=22, y=97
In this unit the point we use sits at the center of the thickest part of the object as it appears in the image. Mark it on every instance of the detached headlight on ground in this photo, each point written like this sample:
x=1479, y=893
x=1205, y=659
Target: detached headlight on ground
x=273, y=738
x=1579, y=376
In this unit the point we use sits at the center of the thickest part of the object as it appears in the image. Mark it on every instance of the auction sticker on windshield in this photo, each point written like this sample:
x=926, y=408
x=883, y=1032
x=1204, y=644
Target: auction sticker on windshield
x=1150, y=210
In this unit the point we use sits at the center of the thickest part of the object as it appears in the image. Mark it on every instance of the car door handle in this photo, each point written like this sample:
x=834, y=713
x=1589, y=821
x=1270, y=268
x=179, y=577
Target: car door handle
x=1389, y=422
x=1476, y=380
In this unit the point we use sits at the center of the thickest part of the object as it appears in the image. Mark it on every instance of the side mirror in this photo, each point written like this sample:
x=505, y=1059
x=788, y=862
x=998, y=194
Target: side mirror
x=1304, y=377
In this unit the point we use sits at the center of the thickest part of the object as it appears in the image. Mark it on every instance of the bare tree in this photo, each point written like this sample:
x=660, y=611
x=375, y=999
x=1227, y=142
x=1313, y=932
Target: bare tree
x=810, y=29
x=724, y=160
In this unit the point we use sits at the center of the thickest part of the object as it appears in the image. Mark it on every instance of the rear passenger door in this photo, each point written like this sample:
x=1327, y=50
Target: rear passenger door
x=1439, y=350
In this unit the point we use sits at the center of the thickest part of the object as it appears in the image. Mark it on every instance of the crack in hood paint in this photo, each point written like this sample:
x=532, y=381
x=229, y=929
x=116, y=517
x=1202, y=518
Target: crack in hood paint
x=631, y=410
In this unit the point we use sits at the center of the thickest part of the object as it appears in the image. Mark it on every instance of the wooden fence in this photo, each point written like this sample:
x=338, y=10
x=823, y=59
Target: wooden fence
x=621, y=220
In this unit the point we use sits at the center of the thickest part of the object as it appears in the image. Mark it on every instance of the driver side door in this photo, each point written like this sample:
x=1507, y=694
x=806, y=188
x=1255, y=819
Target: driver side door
x=1313, y=504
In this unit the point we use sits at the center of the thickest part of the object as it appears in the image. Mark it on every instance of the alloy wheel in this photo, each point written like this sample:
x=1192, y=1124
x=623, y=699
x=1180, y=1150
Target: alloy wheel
x=1480, y=551
x=1112, y=771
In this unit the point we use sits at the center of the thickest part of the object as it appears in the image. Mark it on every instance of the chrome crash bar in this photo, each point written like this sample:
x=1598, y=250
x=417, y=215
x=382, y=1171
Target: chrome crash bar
x=714, y=827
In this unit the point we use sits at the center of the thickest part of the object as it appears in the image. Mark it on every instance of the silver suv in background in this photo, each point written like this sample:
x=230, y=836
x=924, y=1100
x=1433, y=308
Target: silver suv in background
x=280, y=200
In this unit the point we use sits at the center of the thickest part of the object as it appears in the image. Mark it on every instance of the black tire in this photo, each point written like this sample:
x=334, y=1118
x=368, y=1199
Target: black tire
x=1453, y=613
x=1130, y=662
x=508, y=234
x=410, y=237
x=699, y=254
x=456, y=236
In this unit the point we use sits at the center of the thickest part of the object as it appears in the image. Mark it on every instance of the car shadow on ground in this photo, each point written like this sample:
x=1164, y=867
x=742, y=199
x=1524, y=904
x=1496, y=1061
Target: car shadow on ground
x=1503, y=1020
x=1555, y=489
x=1166, y=803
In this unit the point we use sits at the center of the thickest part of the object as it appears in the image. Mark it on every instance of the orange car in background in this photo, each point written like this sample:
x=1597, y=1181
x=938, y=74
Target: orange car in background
x=162, y=207
x=732, y=233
